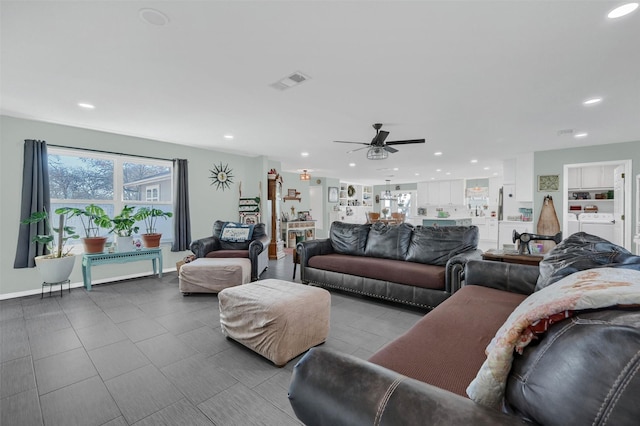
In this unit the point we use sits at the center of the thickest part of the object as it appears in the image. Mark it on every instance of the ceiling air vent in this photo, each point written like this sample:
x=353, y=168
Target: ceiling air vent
x=290, y=81
x=565, y=132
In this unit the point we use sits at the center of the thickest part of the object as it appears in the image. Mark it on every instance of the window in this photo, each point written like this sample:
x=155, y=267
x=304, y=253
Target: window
x=78, y=178
x=152, y=193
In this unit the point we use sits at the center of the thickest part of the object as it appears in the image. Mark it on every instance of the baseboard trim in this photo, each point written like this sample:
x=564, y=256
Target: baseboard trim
x=34, y=291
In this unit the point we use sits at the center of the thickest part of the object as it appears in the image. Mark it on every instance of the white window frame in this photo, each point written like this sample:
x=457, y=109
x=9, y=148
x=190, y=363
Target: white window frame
x=118, y=184
x=152, y=188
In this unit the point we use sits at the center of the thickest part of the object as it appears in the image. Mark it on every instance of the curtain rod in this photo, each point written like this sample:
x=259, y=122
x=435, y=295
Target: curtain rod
x=110, y=152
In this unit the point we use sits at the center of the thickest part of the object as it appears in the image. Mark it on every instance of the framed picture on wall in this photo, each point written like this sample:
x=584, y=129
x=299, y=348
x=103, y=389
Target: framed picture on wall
x=333, y=194
x=548, y=183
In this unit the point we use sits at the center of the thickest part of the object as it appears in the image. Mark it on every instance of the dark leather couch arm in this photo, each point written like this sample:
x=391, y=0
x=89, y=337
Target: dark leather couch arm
x=204, y=245
x=258, y=246
x=331, y=388
x=502, y=276
x=454, y=273
x=309, y=248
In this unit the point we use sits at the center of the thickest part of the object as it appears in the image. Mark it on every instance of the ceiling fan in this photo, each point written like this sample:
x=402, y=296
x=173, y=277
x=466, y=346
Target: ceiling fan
x=378, y=148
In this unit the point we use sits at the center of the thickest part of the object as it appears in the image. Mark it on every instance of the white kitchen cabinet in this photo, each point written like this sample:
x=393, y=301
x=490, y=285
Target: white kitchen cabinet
x=596, y=177
x=524, y=178
x=509, y=171
x=575, y=178
x=444, y=192
x=423, y=193
x=494, y=190
x=456, y=192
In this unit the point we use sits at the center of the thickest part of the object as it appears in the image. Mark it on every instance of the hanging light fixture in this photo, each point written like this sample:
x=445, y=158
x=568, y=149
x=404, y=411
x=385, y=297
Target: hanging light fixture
x=304, y=175
x=387, y=195
x=377, y=153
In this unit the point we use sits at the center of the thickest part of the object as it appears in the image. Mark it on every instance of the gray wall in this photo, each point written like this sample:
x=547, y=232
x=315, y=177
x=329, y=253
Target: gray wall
x=207, y=203
x=552, y=163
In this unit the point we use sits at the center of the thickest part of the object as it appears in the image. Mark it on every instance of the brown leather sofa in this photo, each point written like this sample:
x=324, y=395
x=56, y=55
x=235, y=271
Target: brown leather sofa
x=255, y=249
x=418, y=266
x=584, y=370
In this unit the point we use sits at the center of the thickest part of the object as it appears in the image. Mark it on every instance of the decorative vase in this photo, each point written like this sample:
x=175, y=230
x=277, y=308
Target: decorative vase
x=124, y=243
x=151, y=240
x=94, y=244
x=55, y=269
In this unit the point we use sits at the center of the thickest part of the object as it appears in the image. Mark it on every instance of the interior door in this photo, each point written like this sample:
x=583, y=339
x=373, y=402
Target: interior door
x=618, y=206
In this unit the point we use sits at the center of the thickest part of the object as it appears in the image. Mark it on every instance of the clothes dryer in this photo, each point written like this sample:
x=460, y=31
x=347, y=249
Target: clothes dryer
x=599, y=224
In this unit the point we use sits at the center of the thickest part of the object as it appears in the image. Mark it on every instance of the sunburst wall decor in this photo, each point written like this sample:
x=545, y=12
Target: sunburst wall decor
x=221, y=176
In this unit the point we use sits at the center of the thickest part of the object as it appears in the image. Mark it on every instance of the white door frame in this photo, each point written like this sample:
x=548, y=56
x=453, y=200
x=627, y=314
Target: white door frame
x=628, y=181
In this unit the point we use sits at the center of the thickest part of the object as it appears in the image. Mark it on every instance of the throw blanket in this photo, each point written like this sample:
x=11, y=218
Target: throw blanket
x=589, y=289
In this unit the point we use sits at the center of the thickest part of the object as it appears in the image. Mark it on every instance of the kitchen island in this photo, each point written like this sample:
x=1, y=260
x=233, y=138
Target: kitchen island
x=446, y=221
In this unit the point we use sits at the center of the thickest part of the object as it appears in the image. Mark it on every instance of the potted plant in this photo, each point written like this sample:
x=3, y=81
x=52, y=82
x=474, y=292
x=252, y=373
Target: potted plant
x=56, y=266
x=124, y=226
x=92, y=218
x=150, y=216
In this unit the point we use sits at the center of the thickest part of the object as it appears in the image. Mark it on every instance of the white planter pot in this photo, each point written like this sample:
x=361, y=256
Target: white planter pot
x=124, y=244
x=55, y=270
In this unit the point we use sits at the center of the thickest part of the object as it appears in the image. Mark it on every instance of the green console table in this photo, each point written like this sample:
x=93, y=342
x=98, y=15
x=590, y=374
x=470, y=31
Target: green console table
x=89, y=260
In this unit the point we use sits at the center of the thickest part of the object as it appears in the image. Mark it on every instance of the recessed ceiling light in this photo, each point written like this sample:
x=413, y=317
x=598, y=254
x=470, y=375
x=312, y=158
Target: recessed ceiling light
x=438, y=170
x=352, y=164
x=153, y=17
x=623, y=10
x=304, y=154
x=228, y=136
x=417, y=174
x=437, y=153
x=395, y=169
x=581, y=135
x=474, y=161
x=592, y=101
x=448, y=173
x=433, y=178
x=495, y=173
x=487, y=168
x=86, y=105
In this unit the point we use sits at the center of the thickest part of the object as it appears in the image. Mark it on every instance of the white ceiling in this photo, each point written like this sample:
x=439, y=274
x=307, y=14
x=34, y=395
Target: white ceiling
x=482, y=80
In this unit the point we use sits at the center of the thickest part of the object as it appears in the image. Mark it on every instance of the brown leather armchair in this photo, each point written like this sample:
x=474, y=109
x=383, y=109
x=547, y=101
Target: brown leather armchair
x=255, y=249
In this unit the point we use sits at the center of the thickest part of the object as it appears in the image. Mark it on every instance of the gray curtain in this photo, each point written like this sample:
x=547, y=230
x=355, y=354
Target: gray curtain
x=35, y=198
x=181, y=218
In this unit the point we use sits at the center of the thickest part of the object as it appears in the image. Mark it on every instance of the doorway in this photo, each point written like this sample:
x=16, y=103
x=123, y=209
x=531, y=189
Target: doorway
x=599, y=197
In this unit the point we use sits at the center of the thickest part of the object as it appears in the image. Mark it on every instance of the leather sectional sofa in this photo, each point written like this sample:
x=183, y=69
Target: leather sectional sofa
x=418, y=266
x=582, y=370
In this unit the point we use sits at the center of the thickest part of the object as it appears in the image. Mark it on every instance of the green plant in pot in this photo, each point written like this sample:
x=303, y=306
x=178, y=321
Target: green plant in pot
x=57, y=265
x=124, y=226
x=93, y=218
x=150, y=216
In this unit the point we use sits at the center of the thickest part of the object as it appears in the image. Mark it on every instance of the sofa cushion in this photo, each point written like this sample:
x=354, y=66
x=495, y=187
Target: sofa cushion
x=397, y=271
x=349, y=238
x=583, y=371
x=583, y=251
x=388, y=241
x=446, y=347
x=436, y=245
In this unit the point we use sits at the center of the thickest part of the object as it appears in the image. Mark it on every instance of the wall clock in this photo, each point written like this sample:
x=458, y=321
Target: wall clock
x=221, y=176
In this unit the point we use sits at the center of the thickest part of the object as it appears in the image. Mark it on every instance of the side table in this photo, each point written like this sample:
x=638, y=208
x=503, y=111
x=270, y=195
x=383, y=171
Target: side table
x=88, y=260
x=512, y=257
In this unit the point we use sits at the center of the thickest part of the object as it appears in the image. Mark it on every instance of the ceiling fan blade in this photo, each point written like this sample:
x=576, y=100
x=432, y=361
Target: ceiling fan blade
x=358, y=149
x=361, y=143
x=389, y=149
x=408, y=141
x=379, y=139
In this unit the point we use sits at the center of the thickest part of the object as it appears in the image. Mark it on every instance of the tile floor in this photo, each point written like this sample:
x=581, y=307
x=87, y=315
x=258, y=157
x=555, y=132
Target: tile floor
x=137, y=352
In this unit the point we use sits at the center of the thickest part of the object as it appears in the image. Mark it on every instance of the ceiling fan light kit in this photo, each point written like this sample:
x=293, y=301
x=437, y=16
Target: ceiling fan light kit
x=377, y=153
x=378, y=148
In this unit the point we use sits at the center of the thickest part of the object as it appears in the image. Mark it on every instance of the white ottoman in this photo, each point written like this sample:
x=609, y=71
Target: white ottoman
x=210, y=275
x=277, y=319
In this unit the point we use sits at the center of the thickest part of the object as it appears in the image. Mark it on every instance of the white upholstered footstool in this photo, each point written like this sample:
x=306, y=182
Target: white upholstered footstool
x=210, y=275
x=277, y=319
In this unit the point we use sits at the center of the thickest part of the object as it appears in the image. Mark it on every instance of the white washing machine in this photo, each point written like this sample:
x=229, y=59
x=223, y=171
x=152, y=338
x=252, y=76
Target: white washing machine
x=573, y=225
x=600, y=224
